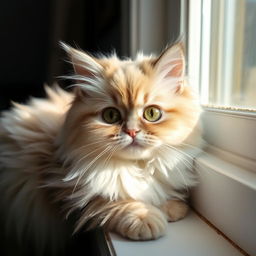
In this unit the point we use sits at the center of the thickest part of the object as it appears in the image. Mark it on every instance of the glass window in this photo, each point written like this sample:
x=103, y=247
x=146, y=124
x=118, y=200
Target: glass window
x=222, y=40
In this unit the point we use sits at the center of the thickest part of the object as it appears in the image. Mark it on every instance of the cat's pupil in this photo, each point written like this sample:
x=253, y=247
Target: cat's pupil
x=152, y=114
x=111, y=114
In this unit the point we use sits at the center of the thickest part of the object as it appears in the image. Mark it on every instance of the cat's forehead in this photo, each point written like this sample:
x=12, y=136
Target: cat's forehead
x=129, y=82
x=142, y=64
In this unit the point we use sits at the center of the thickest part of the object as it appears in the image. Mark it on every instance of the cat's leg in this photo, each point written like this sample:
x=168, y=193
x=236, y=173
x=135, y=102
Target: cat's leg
x=138, y=221
x=175, y=209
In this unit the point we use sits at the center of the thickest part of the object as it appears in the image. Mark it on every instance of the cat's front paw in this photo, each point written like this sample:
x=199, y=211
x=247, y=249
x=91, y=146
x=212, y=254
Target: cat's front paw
x=175, y=209
x=141, y=222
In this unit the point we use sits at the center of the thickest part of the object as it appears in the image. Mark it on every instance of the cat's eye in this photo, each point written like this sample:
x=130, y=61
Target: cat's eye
x=111, y=115
x=152, y=114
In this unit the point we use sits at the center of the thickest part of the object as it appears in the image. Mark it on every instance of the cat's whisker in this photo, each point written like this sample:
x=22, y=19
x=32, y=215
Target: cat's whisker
x=105, y=162
x=90, y=153
x=101, y=142
x=151, y=144
x=97, y=142
x=89, y=165
x=186, y=155
x=178, y=169
x=112, y=151
x=110, y=155
x=74, y=172
x=183, y=177
x=89, y=144
x=199, y=149
x=107, y=146
x=192, y=157
x=190, y=146
x=184, y=158
x=180, y=151
x=161, y=150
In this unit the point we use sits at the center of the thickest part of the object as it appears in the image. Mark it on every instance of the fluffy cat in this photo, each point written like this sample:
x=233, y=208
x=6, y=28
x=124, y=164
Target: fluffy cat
x=116, y=152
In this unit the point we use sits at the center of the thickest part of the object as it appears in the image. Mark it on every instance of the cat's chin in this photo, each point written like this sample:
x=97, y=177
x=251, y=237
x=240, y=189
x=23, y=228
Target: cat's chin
x=134, y=153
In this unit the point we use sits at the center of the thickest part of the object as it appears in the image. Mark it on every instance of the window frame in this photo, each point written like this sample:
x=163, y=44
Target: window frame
x=230, y=135
x=215, y=40
x=149, y=28
x=235, y=127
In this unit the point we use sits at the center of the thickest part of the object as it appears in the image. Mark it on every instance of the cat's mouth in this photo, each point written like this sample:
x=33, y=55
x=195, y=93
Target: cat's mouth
x=135, y=144
x=134, y=149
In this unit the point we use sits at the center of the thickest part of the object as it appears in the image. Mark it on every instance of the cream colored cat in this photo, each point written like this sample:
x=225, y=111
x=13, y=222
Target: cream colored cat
x=114, y=153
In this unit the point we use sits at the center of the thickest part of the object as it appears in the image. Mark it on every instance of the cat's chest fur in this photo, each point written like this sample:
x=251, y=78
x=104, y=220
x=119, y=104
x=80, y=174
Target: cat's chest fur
x=152, y=181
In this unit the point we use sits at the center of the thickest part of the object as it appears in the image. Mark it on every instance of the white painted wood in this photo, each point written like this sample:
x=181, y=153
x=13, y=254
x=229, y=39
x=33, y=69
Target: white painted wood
x=152, y=26
x=226, y=196
x=194, y=44
x=205, y=51
x=232, y=131
x=148, y=26
x=190, y=236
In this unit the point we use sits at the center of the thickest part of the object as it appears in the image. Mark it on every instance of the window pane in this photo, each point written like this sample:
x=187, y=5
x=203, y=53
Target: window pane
x=228, y=53
x=248, y=89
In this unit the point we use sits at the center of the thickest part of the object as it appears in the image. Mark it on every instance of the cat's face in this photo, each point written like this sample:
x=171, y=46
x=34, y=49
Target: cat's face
x=131, y=109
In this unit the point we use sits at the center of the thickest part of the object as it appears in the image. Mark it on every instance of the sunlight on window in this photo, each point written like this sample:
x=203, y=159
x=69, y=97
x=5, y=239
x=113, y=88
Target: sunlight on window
x=248, y=88
x=227, y=62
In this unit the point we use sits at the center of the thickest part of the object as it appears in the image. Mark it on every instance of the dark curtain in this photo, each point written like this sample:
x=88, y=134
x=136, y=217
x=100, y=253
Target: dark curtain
x=30, y=31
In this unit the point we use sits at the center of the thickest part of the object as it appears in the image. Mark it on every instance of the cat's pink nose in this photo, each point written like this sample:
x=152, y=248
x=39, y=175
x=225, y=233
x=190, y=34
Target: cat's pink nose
x=131, y=132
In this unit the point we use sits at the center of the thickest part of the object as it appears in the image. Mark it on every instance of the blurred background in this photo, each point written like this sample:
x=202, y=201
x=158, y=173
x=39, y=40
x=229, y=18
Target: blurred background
x=30, y=31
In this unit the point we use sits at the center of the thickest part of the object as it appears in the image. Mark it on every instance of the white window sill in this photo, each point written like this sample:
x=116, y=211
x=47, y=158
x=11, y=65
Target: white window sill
x=226, y=196
x=190, y=236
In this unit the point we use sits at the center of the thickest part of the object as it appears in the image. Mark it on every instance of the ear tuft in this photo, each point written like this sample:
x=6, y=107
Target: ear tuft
x=83, y=63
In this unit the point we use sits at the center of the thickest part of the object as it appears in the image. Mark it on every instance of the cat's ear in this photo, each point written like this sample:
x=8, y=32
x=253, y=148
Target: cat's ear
x=170, y=67
x=87, y=71
x=84, y=64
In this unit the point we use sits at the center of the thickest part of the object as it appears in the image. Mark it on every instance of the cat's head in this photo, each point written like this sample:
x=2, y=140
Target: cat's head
x=130, y=109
